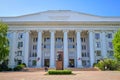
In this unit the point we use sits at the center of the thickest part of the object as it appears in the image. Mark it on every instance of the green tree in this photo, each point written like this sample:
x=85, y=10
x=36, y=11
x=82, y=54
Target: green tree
x=4, y=48
x=116, y=45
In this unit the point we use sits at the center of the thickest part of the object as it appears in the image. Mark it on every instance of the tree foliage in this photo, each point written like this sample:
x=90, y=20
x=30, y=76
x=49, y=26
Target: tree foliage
x=116, y=44
x=4, y=49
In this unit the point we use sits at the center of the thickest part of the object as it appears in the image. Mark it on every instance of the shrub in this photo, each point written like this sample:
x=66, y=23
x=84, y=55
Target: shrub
x=108, y=64
x=9, y=69
x=24, y=64
x=94, y=64
x=59, y=72
x=4, y=66
x=0, y=68
x=19, y=67
x=5, y=69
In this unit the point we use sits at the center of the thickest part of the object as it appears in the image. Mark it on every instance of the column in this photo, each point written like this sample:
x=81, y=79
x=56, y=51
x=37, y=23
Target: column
x=79, y=58
x=39, y=49
x=12, y=50
x=52, y=49
x=103, y=45
x=65, y=49
x=26, y=47
x=91, y=46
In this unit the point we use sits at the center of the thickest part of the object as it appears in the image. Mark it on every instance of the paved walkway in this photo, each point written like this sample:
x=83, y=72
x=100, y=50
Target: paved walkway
x=79, y=75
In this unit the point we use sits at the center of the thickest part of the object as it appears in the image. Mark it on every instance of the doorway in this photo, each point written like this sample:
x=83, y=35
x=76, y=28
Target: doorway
x=46, y=62
x=71, y=63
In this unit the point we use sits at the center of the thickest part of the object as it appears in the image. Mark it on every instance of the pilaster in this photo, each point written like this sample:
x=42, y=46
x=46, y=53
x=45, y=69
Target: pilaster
x=65, y=48
x=104, y=51
x=79, y=57
x=52, y=49
x=26, y=47
x=12, y=50
x=39, y=49
x=91, y=46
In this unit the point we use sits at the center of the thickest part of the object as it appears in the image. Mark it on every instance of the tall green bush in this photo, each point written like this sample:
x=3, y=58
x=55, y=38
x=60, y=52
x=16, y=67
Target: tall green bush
x=116, y=45
x=108, y=64
x=4, y=46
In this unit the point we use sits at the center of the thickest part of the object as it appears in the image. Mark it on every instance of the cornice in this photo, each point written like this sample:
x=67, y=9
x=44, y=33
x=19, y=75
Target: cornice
x=60, y=23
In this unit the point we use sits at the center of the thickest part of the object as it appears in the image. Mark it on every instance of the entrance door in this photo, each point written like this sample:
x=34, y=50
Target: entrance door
x=71, y=63
x=59, y=62
x=34, y=62
x=46, y=62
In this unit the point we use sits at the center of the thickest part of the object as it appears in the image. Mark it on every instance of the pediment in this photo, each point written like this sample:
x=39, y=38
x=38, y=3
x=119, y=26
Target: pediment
x=60, y=15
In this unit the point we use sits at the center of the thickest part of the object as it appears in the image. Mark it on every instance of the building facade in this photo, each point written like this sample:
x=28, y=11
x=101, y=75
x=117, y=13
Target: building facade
x=85, y=39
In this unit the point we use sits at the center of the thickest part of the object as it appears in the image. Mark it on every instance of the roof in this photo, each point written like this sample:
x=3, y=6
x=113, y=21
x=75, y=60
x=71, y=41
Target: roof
x=59, y=16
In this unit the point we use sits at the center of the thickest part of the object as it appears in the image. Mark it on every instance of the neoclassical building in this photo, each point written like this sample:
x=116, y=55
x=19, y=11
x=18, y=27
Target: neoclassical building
x=35, y=39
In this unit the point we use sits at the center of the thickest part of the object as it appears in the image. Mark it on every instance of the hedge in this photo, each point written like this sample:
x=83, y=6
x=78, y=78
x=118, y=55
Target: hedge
x=19, y=67
x=108, y=64
x=59, y=72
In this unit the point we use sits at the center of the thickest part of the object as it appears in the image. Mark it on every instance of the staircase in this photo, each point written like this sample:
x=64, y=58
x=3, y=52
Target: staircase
x=33, y=69
x=73, y=69
x=83, y=69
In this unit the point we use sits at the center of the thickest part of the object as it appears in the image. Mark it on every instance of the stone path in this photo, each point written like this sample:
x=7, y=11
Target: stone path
x=79, y=75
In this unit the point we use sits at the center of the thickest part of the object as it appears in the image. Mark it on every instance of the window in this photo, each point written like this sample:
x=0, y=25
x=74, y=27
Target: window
x=34, y=47
x=46, y=39
x=97, y=36
x=85, y=54
x=71, y=46
x=20, y=35
x=20, y=44
x=82, y=39
x=47, y=46
x=98, y=45
x=19, y=53
x=88, y=54
x=34, y=54
x=70, y=39
x=59, y=46
x=110, y=53
x=110, y=45
x=98, y=53
x=83, y=47
x=35, y=39
x=109, y=35
x=59, y=39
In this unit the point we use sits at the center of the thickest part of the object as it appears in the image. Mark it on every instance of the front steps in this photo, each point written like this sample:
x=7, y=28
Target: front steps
x=83, y=69
x=33, y=69
x=73, y=69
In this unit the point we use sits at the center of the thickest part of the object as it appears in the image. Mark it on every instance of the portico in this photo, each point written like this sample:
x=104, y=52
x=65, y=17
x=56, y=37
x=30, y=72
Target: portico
x=41, y=46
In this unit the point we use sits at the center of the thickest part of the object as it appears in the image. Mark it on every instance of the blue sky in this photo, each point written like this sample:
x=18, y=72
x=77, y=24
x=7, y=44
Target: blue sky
x=95, y=7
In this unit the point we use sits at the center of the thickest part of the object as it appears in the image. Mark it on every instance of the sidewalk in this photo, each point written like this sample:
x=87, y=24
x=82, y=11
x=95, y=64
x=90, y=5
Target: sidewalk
x=79, y=75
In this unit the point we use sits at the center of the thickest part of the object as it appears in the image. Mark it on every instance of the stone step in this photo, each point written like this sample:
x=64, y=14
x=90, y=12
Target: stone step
x=83, y=69
x=73, y=69
x=33, y=69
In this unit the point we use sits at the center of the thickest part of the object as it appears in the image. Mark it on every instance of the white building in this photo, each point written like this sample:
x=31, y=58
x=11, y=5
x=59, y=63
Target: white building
x=84, y=39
